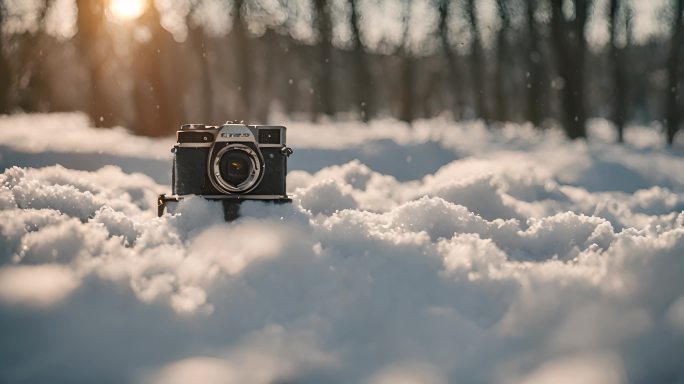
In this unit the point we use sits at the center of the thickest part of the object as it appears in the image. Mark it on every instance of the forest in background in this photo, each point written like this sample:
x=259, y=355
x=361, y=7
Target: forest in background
x=216, y=60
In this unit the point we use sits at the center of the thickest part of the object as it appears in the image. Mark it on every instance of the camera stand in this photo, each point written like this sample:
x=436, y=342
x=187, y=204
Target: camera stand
x=231, y=203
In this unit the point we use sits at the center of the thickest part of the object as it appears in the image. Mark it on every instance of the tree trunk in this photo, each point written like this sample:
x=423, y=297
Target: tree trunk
x=406, y=108
x=570, y=47
x=291, y=92
x=5, y=74
x=323, y=100
x=501, y=112
x=406, y=102
x=617, y=60
x=93, y=45
x=477, y=62
x=200, y=44
x=363, y=87
x=534, y=67
x=673, y=112
x=453, y=70
x=32, y=91
x=243, y=74
x=268, y=45
x=158, y=110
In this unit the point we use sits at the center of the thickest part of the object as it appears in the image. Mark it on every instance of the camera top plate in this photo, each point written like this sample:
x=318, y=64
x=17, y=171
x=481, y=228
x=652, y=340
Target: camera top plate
x=236, y=133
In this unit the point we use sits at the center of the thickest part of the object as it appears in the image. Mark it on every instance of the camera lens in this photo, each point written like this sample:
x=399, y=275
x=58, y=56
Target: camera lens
x=235, y=167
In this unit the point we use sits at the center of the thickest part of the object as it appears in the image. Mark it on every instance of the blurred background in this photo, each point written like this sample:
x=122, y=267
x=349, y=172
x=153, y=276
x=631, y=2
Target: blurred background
x=150, y=65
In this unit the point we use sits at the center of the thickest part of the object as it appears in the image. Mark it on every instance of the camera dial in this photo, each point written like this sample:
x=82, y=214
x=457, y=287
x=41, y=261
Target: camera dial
x=189, y=127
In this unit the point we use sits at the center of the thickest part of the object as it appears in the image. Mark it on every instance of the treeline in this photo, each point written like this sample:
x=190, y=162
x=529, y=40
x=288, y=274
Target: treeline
x=537, y=67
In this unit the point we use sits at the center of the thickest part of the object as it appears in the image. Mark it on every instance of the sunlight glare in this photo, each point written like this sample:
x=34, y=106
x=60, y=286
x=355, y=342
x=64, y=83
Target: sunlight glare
x=126, y=10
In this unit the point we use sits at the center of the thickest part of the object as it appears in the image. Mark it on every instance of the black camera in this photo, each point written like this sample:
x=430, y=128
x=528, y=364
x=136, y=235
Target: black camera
x=231, y=162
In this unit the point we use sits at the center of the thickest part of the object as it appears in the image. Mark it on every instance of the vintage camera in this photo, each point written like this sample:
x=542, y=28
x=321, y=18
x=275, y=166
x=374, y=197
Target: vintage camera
x=231, y=162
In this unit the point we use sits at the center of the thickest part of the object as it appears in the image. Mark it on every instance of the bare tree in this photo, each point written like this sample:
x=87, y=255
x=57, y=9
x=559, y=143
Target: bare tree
x=534, y=66
x=285, y=48
x=407, y=86
x=243, y=60
x=476, y=61
x=501, y=112
x=265, y=81
x=304, y=76
x=323, y=96
x=569, y=43
x=363, y=86
x=618, y=60
x=28, y=82
x=673, y=109
x=5, y=75
x=453, y=70
x=94, y=46
x=200, y=43
x=157, y=103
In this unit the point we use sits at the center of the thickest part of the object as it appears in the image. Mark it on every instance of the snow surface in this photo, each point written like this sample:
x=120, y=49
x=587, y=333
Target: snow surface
x=440, y=253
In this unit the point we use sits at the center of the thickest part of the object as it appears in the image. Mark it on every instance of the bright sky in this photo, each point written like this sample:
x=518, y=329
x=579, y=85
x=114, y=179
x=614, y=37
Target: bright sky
x=127, y=10
x=381, y=19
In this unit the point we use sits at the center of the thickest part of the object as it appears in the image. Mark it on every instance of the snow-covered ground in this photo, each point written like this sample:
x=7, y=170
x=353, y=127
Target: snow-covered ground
x=440, y=253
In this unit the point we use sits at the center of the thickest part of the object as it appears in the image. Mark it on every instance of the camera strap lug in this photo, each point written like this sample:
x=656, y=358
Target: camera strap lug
x=286, y=151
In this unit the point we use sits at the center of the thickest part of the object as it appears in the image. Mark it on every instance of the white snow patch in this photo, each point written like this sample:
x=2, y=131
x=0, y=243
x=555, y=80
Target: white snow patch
x=520, y=257
x=40, y=285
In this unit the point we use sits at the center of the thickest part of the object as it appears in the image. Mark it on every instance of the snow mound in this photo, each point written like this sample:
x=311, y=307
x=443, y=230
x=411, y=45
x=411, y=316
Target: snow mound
x=523, y=258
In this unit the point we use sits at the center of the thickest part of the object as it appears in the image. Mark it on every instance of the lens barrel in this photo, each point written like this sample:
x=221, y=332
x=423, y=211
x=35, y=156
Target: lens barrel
x=236, y=168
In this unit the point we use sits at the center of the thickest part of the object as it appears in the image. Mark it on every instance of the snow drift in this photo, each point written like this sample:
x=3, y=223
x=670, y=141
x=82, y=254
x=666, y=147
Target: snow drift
x=435, y=254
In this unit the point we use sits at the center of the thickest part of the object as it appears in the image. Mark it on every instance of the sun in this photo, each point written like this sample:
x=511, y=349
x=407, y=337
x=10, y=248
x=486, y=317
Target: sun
x=127, y=10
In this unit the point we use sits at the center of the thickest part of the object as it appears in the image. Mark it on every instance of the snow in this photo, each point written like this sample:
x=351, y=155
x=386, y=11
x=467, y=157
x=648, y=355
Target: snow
x=440, y=253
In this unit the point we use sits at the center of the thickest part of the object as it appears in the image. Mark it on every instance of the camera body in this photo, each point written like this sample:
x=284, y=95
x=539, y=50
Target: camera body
x=231, y=161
